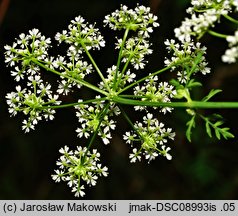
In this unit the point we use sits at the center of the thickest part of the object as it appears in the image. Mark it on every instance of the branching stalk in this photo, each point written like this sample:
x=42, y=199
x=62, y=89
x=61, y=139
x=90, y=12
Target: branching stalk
x=82, y=82
x=216, y=34
x=95, y=66
x=120, y=56
x=144, y=78
x=73, y=104
x=230, y=18
x=101, y=115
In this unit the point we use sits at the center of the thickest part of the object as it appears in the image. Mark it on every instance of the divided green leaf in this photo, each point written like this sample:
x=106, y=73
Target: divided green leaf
x=190, y=124
x=219, y=131
x=212, y=93
x=192, y=83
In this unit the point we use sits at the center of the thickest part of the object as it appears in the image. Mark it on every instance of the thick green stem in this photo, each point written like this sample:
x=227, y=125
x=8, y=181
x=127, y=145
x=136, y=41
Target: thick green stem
x=82, y=82
x=192, y=104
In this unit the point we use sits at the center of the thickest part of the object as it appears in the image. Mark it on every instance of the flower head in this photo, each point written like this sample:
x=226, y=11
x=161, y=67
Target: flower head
x=27, y=49
x=189, y=53
x=79, y=167
x=80, y=36
x=204, y=14
x=32, y=102
x=140, y=19
x=90, y=120
x=125, y=78
x=149, y=139
x=155, y=92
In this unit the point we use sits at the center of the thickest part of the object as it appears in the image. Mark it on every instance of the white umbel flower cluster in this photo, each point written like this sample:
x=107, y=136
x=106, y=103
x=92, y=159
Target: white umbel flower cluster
x=27, y=48
x=90, y=119
x=22, y=54
x=149, y=139
x=141, y=22
x=29, y=57
x=140, y=19
x=81, y=35
x=72, y=72
x=135, y=50
x=79, y=167
x=155, y=92
x=125, y=78
x=32, y=102
x=204, y=14
x=186, y=53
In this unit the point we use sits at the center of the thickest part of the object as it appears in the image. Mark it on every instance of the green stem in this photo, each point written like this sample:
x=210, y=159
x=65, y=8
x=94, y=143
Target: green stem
x=120, y=56
x=192, y=104
x=82, y=82
x=127, y=118
x=144, y=78
x=132, y=96
x=132, y=125
x=200, y=10
x=197, y=60
x=127, y=63
x=95, y=66
x=73, y=104
x=123, y=71
x=216, y=34
x=231, y=19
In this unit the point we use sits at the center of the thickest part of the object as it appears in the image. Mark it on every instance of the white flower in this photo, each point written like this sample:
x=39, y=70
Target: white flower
x=150, y=155
x=134, y=156
x=105, y=137
x=129, y=137
x=165, y=152
x=35, y=33
x=232, y=39
x=57, y=176
x=78, y=191
x=104, y=170
x=27, y=126
x=64, y=87
x=18, y=74
x=64, y=150
x=83, y=131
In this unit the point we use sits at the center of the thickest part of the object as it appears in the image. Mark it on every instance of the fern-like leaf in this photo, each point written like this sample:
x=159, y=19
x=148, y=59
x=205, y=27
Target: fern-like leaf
x=190, y=124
